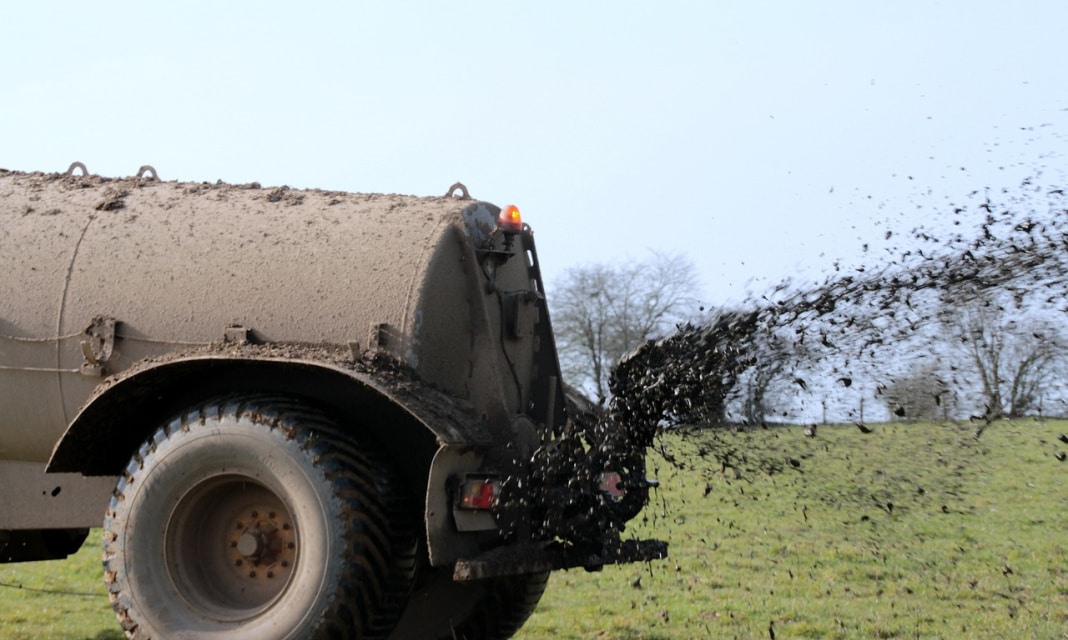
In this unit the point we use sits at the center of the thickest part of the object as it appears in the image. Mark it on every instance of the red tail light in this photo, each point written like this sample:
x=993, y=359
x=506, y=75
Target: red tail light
x=611, y=484
x=479, y=493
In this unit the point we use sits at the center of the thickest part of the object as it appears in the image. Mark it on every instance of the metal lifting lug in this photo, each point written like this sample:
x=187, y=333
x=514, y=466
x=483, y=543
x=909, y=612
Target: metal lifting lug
x=458, y=186
x=148, y=171
x=77, y=165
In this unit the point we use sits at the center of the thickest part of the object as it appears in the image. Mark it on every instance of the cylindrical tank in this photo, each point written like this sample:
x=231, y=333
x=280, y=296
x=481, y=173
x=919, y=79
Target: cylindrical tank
x=178, y=265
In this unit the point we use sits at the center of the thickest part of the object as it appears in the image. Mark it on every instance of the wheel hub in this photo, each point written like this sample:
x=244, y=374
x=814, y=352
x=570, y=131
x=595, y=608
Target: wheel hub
x=262, y=545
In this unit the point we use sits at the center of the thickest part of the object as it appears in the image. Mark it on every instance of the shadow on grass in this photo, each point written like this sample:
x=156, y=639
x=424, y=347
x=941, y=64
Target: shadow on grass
x=107, y=635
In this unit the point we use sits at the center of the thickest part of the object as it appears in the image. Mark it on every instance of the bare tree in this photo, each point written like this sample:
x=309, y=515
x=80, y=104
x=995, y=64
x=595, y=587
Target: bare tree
x=758, y=382
x=1013, y=357
x=771, y=356
x=921, y=394
x=603, y=311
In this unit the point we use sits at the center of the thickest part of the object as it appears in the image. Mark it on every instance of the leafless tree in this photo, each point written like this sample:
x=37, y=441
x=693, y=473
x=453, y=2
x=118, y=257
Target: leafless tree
x=758, y=383
x=603, y=311
x=1012, y=355
x=772, y=355
x=921, y=394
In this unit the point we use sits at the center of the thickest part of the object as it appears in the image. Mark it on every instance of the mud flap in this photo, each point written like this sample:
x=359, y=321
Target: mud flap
x=449, y=530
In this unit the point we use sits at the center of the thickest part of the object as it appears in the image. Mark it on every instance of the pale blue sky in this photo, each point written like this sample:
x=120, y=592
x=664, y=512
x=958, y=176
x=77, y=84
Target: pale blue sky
x=746, y=135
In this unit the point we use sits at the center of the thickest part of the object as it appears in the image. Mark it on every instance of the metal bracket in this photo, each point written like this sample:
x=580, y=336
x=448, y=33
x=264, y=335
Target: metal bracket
x=520, y=313
x=235, y=333
x=355, y=350
x=380, y=336
x=529, y=558
x=98, y=346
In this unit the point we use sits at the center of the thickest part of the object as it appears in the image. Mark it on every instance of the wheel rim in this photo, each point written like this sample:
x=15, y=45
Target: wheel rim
x=231, y=548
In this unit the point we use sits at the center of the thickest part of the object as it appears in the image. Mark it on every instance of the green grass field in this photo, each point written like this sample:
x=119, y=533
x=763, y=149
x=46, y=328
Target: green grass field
x=912, y=531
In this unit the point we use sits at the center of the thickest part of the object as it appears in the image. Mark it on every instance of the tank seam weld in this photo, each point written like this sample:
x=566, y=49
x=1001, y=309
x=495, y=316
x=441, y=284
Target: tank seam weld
x=425, y=255
x=63, y=308
x=39, y=340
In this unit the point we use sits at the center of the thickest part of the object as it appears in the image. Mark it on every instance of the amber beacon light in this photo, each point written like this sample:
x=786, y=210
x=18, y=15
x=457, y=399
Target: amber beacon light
x=510, y=220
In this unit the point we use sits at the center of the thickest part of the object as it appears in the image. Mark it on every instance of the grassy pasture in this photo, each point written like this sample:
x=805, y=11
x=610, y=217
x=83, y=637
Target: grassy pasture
x=912, y=531
x=58, y=599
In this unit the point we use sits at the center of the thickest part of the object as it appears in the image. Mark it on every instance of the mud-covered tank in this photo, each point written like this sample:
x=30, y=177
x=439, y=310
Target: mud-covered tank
x=295, y=413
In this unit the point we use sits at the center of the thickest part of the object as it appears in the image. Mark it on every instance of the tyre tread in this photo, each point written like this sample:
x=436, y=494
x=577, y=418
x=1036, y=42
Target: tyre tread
x=381, y=530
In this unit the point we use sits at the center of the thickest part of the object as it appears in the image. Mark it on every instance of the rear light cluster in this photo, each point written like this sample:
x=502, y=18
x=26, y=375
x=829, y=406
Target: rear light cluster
x=611, y=484
x=479, y=493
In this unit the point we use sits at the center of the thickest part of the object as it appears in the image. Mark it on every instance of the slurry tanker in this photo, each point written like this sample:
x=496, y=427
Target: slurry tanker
x=295, y=413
